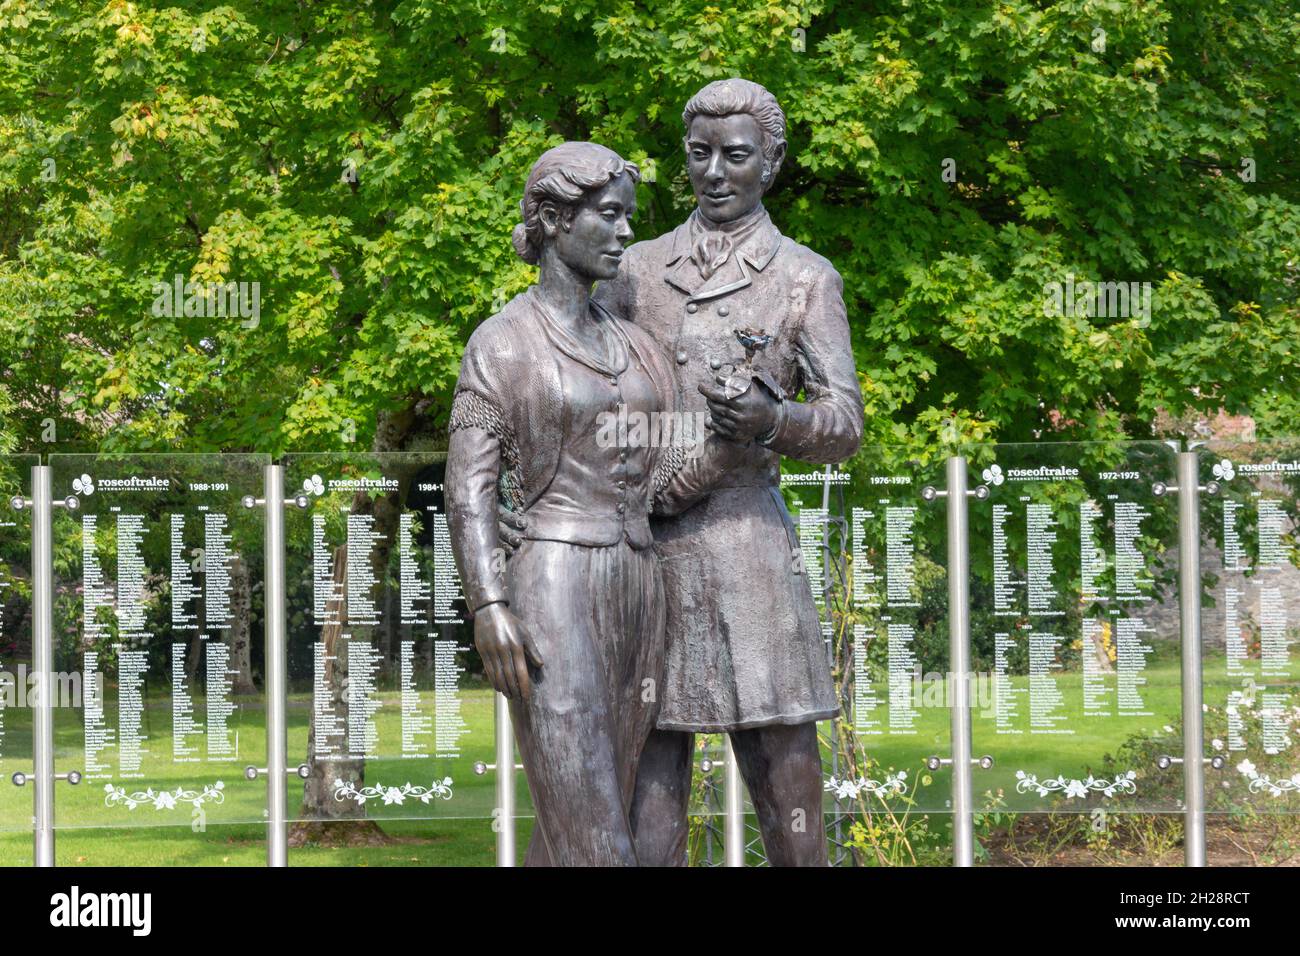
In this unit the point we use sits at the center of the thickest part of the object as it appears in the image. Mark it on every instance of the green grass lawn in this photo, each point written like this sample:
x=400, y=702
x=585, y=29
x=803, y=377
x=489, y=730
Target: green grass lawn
x=242, y=801
x=1080, y=752
x=415, y=843
x=458, y=831
x=1073, y=755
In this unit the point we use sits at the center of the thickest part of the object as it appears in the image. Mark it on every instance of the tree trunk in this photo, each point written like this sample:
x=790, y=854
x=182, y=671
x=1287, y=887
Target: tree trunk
x=330, y=821
x=343, y=822
x=196, y=644
x=239, y=640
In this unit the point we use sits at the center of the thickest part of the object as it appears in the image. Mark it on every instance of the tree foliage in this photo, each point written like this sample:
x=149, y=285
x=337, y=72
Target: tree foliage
x=362, y=163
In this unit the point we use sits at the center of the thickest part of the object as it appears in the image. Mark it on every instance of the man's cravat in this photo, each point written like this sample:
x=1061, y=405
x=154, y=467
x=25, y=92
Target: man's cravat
x=711, y=252
x=712, y=244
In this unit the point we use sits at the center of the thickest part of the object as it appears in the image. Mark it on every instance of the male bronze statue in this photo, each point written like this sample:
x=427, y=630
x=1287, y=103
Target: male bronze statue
x=733, y=302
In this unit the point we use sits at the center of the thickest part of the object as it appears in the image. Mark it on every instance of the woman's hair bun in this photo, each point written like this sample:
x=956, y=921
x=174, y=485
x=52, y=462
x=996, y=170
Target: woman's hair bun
x=526, y=250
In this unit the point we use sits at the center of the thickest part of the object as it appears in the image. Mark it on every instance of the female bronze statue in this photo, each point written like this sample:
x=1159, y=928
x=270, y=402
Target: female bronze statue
x=571, y=628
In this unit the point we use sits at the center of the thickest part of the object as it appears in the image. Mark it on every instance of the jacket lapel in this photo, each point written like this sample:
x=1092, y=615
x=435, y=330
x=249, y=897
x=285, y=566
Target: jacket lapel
x=755, y=252
x=540, y=408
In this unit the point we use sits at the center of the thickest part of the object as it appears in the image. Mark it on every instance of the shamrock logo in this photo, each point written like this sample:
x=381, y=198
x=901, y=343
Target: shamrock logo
x=993, y=475
x=313, y=485
x=85, y=485
x=1224, y=471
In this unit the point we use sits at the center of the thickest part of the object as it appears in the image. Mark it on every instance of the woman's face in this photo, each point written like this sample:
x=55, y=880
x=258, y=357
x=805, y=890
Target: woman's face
x=592, y=245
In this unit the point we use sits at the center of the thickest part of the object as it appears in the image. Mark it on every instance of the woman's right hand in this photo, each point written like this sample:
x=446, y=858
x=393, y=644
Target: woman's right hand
x=507, y=649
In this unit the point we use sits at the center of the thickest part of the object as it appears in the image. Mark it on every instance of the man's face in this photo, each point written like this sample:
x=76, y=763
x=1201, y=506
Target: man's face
x=724, y=157
x=593, y=244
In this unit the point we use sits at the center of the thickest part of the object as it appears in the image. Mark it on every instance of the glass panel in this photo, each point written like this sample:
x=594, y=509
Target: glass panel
x=875, y=555
x=15, y=641
x=388, y=707
x=1250, y=618
x=159, y=617
x=1075, y=627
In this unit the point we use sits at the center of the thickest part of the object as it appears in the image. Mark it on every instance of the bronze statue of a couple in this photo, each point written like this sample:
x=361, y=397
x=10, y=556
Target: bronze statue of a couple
x=652, y=589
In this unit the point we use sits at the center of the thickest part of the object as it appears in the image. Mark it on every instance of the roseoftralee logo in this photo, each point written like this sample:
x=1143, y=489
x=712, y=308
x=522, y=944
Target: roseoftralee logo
x=313, y=485
x=1224, y=471
x=993, y=475
x=85, y=485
